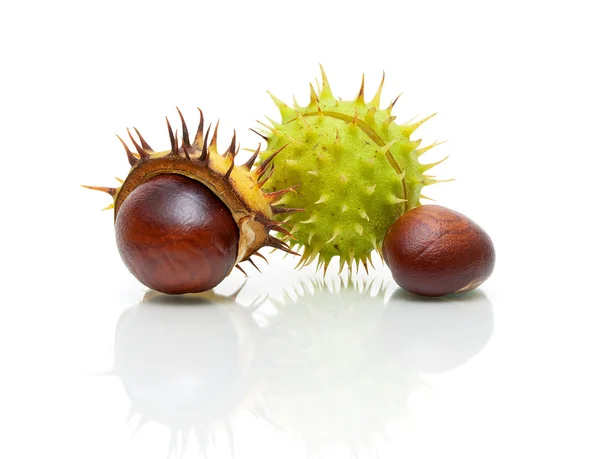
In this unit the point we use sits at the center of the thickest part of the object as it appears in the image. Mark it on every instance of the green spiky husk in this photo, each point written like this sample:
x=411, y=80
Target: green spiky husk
x=357, y=169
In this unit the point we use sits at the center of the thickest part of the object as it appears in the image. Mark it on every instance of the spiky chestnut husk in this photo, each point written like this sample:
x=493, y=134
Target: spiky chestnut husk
x=359, y=171
x=238, y=187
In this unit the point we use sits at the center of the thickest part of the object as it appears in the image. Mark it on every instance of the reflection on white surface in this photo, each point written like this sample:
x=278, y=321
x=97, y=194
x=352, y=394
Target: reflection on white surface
x=436, y=335
x=345, y=360
x=184, y=364
x=332, y=367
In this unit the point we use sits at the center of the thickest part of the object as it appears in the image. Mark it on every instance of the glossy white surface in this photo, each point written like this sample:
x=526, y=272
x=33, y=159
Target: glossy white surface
x=311, y=369
x=291, y=366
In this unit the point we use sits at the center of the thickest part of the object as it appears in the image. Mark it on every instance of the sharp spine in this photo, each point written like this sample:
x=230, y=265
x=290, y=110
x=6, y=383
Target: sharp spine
x=265, y=138
x=270, y=128
x=306, y=124
x=354, y=121
x=410, y=128
x=139, y=149
x=276, y=243
x=312, y=219
x=391, y=106
x=325, y=266
x=282, y=210
x=266, y=178
x=377, y=97
x=143, y=141
x=213, y=143
x=385, y=148
x=260, y=170
x=284, y=109
x=254, y=264
x=426, y=167
x=273, y=122
x=364, y=263
x=334, y=236
x=130, y=156
x=302, y=261
x=231, y=166
x=273, y=226
x=199, y=139
x=326, y=93
x=420, y=151
x=374, y=243
x=231, y=149
x=342, y=263
x=430, y=181
x=248, y=165
x=104, y=189
x=314, y=99
x=395, y=200
x=318, y=85
x=273, y=196
x=360, y=98
x=205, y=155
x=184, y=134
x=172, y=138
x=185, y=150
x=370, y=260
x=260, y=255
x=309, y=257
x=291, y=139
x=388, y=121
x=285, y=199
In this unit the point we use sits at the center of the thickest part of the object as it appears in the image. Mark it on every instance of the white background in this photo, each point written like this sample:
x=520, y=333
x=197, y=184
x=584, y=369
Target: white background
x=315, y=371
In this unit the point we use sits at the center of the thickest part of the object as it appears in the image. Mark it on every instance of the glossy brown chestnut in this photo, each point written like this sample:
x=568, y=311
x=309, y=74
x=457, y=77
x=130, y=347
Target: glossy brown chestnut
x=435, y=251
x=176, y=236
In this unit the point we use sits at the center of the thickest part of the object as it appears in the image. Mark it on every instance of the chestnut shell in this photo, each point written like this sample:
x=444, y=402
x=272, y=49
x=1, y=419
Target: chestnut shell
x=435, y=251
x=175, y=235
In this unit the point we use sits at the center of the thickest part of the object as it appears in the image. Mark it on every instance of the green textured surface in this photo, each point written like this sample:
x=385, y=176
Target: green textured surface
x=357, y=169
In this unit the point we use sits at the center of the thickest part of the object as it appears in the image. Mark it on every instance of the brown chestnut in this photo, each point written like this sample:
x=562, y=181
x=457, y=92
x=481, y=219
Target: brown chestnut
x=175, y=235
x=435, y=251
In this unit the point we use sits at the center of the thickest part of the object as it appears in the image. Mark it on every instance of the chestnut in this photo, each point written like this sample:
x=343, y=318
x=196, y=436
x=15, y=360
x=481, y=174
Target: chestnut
x=175, y=235
x=435, y=251
x=185, y=217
